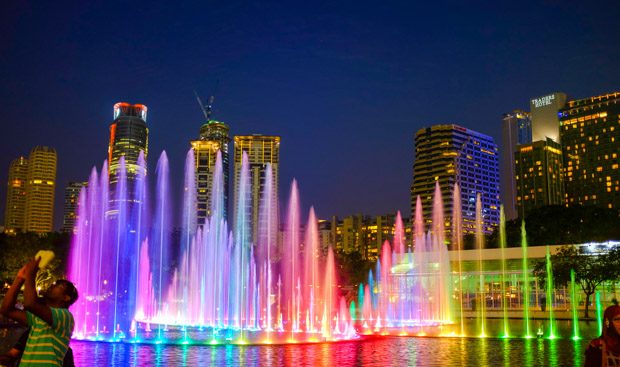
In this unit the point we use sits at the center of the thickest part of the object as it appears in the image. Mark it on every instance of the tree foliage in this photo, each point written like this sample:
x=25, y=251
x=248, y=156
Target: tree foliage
x=591, y=270
x=19, y=249
x=559, y=225
x=353, y=270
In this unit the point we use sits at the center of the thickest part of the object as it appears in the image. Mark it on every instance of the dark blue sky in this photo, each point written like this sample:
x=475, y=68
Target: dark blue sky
x=345, y=85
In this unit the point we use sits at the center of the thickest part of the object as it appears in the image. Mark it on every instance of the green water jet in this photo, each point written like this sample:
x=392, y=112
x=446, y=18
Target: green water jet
x=549, y=298
x=599, y=313
x=526, y=283
x=573, y=302
x=502, y=242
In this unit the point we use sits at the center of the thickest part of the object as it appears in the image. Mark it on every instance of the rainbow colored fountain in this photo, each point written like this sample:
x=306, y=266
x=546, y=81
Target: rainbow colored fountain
x=214, y=285
x=411, y=293
x=210, y=284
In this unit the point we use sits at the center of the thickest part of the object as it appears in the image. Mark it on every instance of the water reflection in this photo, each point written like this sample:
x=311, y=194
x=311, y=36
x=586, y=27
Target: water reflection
x=374, y=351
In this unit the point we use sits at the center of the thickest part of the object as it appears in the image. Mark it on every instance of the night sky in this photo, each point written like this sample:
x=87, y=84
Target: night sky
x=345, y=85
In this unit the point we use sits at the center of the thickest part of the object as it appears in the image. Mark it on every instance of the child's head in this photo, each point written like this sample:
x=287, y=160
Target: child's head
x=62, y=293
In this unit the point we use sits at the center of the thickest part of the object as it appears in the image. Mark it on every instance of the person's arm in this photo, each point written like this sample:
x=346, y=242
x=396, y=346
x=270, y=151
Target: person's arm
x=31, y=304
x=8, y=308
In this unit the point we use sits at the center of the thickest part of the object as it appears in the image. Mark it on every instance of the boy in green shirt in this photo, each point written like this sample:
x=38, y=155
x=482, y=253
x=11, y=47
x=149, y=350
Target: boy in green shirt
x=50, y=321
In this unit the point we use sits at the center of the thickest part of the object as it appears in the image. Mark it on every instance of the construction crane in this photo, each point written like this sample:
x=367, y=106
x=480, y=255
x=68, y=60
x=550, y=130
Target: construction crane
x=208, y=110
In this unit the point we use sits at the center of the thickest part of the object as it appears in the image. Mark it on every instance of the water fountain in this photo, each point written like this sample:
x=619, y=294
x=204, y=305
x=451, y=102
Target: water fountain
x=214, y=285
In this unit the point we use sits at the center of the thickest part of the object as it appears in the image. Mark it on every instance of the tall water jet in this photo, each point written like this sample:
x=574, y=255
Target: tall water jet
x=100, y=218
x=291, y=258
x=267, y=242
x=216, y=236
x=120, y=235
x=329, y=294
x=549, y=290
x=502, y=245
x=242, y=245
x=161, y=231
x=573, y=303
x=385, y=291
x=420, y=263
x=481, y=286
x=439, y=249
x=360, y=302
x=457, y=243
x=189, y=208
x=599, y=312
x=87, y=248
x=311, y=270
x=399, y=236
x=139, y=213
x=526, y=282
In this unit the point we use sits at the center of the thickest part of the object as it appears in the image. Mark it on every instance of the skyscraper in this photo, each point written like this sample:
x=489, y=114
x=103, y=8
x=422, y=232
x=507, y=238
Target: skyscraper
x=539, y=175
x=544, y=114
x=128, y=136
x=261, y=149
x=213, y=138
x=590, y=132
x=72, y=196
x=40, y=185
x=451, y=154
x=15, y=210
x=516, y=130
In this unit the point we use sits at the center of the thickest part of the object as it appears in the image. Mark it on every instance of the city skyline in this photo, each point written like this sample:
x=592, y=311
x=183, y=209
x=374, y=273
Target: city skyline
x=355, y=95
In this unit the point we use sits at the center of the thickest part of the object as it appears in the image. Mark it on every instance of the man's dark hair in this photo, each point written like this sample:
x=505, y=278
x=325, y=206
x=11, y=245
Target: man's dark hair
x=70, y=290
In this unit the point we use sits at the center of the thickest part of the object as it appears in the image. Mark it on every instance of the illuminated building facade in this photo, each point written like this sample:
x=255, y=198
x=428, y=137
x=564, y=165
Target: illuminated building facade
x=15, y=210
x=590, y=133
x=516, y=130
x=539, y=175
x=214, y=137
x=261, y=150
x=451, y=154
x=72, y=196
x=544, y=115
x=40, y=186
x=366, y=234
x=128, y=137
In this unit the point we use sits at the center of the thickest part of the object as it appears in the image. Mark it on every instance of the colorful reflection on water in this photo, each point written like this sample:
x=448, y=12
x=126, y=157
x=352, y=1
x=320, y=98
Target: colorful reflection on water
x=386, y=351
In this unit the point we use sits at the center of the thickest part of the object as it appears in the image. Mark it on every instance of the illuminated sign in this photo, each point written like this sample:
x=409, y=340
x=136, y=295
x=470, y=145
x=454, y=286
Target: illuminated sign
x=543, y=101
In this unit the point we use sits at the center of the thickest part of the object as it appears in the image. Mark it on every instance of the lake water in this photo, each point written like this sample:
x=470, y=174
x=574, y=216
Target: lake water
x=374, y=351
x=387, y=351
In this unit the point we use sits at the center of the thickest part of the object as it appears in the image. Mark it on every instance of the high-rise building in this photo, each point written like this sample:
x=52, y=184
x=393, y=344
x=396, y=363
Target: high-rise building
x=516, y=130
x=539, y=175
x=214, y=137
x=15, y=210
x=128, y=137
x=590, y=133
x=450, y=154
x=365, y=234
x=72, y=196
x=261, y=150
x=544, y=114
x=40, y=186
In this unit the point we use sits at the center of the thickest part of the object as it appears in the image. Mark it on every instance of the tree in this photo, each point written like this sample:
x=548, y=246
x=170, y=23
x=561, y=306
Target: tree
x=353, y=270
x=17, y=250
x=560, y=225
x=591, y=270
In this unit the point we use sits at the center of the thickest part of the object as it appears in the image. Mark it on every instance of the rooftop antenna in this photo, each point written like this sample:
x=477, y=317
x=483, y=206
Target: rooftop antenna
x=208, y=110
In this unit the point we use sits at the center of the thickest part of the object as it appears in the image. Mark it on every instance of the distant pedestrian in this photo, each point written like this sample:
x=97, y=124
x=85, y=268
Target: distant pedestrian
x=605, y=350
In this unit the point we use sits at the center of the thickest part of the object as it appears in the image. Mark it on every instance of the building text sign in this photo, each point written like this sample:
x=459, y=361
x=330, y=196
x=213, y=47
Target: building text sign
x=543, y=101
